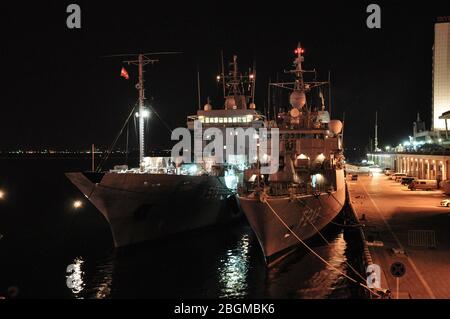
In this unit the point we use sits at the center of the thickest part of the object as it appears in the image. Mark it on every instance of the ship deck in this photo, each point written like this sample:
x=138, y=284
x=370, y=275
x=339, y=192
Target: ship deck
x=407, y=224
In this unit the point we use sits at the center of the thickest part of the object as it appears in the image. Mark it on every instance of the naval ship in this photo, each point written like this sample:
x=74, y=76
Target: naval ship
x=164, y=197
x=308, y=191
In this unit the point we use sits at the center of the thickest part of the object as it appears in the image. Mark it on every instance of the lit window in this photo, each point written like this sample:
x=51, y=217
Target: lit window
x=207, y=120
x=216, y=120
x=225, y=120
x=234, y=119
x=230, y=120
x=220, y=119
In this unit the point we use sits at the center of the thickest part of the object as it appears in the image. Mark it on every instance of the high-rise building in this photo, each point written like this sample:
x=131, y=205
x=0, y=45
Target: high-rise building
x=441, y=73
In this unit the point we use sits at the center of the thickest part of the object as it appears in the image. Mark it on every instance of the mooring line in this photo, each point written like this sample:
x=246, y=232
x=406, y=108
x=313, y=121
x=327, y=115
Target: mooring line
x=329, y=244
x=316, y=254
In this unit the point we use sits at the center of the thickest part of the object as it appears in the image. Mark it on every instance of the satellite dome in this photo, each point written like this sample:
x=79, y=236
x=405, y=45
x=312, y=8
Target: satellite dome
x=230, y=103
x=295, y=112
x=298, y=99
x=335, y=126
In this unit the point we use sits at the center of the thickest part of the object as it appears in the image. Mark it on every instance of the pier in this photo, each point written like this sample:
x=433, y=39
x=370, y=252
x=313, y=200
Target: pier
x=404, y=226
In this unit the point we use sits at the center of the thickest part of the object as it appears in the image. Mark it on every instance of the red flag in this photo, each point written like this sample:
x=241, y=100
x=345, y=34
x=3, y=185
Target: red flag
x=124, y=73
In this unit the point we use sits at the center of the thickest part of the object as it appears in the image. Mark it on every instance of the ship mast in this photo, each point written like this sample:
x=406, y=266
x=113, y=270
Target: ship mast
x=376, y=132
x=141, y=62
x=299, y=82
x=141, y=108
x=236, y=95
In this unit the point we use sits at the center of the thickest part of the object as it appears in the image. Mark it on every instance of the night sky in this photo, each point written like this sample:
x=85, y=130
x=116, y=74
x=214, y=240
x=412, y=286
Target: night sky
x=58, y=91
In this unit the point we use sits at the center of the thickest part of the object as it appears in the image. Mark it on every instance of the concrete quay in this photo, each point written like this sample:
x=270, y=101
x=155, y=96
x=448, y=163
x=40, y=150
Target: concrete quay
x=405, y=226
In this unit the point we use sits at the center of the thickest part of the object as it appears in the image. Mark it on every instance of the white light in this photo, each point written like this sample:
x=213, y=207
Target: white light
x=77, y=204
x=302, y=156
x=193, y=170
x=387, y=148
x=74, y=276
x=440, y=140
x=136, y=114
x=145, y=113
x=406, y=143
x=2, y=194
x=321, y=157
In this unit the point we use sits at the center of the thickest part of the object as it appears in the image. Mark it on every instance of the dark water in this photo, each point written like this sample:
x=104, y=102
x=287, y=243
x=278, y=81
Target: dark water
x=43, y=234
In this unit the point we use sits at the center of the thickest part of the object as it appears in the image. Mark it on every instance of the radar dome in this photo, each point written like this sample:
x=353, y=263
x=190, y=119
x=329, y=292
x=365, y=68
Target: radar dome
x=335, y=126
x=297, y=99
x=230, y=103
x=295, y=112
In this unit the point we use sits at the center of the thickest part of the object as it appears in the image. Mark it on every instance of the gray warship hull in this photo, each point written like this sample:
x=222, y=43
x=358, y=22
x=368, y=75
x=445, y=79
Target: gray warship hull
x=305, y=215
x=141, y=207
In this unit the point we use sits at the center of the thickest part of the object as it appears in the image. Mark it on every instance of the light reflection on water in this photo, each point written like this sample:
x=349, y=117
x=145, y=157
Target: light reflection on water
x=74, y=279
x=239, y=273
x=233, y=270
x=90, y=281
x=304, y=276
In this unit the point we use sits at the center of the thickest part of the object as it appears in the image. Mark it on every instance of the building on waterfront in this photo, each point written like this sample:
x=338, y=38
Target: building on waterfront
x=426, y=154
x=440, y=97
x=422, y=166
x=441, y=73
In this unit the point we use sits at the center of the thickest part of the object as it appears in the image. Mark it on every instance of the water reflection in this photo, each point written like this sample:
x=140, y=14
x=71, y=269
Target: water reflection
x=74, y=279
x=233, y=270
x=103, y=278
x=90, y=279
x=326, y=279
x=303, y=275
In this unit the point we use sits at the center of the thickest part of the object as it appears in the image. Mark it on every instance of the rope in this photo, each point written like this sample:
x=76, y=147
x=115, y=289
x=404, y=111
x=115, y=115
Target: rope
x=324, y=239
x=316, y=254
x=164, y=122
x=108, y=153
x=328, y=243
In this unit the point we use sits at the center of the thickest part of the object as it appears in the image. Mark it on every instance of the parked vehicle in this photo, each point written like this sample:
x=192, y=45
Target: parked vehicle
x=387, y=171
x=423, y=184
x=395, y=175
x=407, y=180
x=354, y=177
x=445, y=185
x=445, y=202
